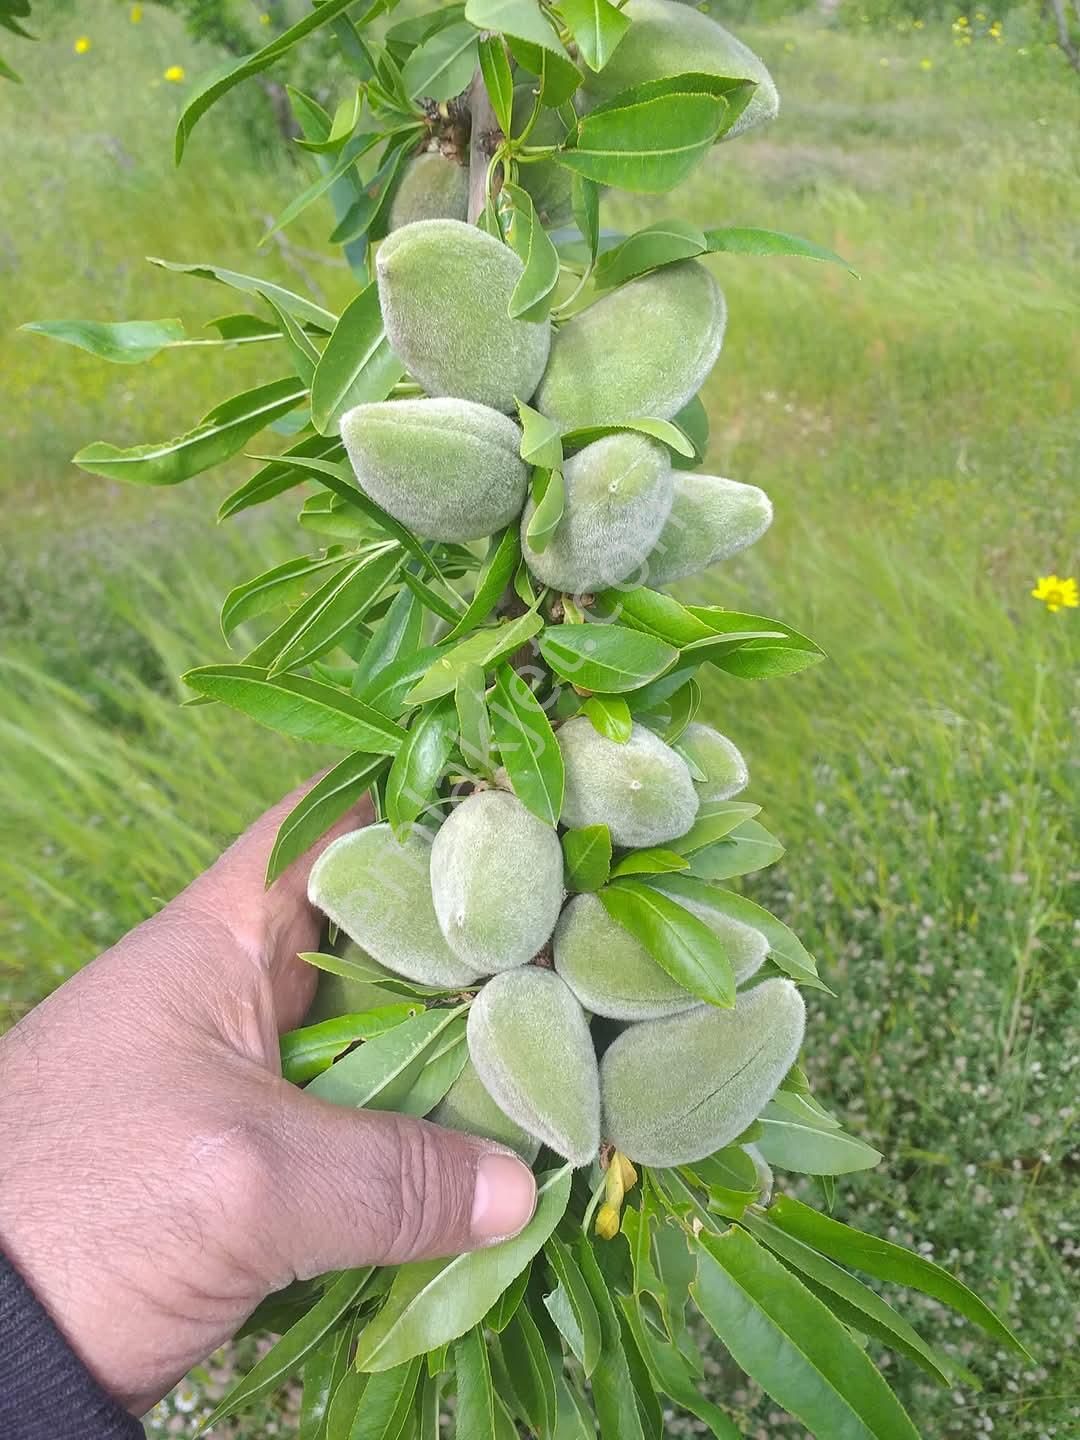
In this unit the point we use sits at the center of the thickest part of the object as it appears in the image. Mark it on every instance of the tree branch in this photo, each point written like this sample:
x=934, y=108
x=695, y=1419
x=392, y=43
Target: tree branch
x=1064, y=39
x=484, y=138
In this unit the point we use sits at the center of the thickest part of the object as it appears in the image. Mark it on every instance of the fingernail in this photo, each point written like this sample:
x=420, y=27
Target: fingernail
x=504, y=1198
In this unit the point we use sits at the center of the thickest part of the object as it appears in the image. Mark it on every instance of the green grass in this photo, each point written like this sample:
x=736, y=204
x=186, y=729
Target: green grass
x=916, y=429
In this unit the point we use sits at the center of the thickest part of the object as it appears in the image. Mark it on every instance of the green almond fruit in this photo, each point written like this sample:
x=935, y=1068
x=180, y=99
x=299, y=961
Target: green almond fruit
x=496, y=881
x=547, y=183
x=667, y=38
x=468, y=1107
x=675, y=1090
x=726, y=772
x=746, y=946
x=711, y=519
x=445, y=289
x=618, y=496
x=377, y=890
x=432, y=187
x=448, y=469
x=530, y=1042
x=642, y=791
x=610, y=972
x=643, y=350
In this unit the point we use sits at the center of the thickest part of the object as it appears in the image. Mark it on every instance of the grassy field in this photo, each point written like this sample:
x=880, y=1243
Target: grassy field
x=917, y=431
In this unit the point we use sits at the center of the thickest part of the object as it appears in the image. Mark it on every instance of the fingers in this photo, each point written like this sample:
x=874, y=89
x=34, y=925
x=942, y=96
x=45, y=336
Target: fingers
x=367, y=1187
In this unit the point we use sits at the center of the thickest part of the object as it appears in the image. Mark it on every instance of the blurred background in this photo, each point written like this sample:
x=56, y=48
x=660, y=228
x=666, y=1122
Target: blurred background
x=917, y=430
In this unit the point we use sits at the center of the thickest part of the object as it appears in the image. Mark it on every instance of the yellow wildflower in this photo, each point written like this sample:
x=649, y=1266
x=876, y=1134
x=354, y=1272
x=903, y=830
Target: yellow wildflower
x=1057, y=594
x=82, y=44
x=175, y=73
x=961, y=20
x=135, y=14
x=919, y=24
x=264, y=18
x=926, y=64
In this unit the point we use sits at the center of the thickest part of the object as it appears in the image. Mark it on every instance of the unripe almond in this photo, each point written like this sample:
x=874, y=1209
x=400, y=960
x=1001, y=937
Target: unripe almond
x=642, y=791
x=711, y=519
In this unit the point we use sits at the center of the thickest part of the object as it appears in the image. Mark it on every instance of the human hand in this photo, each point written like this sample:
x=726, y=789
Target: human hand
x=159, y=1177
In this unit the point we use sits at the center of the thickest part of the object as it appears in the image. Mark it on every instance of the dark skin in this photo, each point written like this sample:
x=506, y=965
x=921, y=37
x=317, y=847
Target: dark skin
x=159, y=1177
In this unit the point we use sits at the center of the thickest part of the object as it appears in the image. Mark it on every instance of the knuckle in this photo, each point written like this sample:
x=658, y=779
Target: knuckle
x=427, y=1194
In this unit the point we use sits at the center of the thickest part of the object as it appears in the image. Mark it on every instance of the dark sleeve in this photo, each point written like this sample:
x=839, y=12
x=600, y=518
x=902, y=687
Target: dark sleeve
x=46, y=1392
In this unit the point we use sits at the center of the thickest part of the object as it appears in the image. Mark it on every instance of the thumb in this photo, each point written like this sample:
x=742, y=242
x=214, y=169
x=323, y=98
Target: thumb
x=370, y=1187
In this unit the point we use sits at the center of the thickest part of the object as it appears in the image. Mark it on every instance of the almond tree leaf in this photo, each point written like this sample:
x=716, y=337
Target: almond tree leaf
x=283, y=585
x=522, y=19
x=859, y=1306
x=294, y=1346
x=475, y=1393
x=356, y=965
x=612, y=1387
x=585, y=202
x=527, y=746
x=379, y=1074
x=646, y=147
x=474, y=723
x=716, y=819
x=278, y=475
x=597, y=27
x=531, y=297
x=321, y=807
x=326, y=618
x=309, y=1051
x=298, y=305
x=607, y=658
x=786, y=950
x=587, y=857
x=222, y=80
x=420, y=762
x=505, y=1308
x=224, y=431
x=293, y=705
x=663, y=430
x=654, y=612
x=749, y=847
x=654, y=861
x=559, y=76
x=671, y=1374
x=443, y=65
x=693, y=421
x=304, y=354
x=734, y=240
x=397, y=633
x=677, y=940
x=357, y=367
x=541, y=440
x=888, y=1261
x=792, y=1344
x=441, y=1067
x=386, y=1403
x=527, y=1364
x=549, y=492
x=128, y=342
x=568, y=1274
x=324, y=1370
x=792, y=1143
x=498, y=80
x=662, y=243
x=435, y=1301
x=484, y=648
x=610, y=716
x=500, y=562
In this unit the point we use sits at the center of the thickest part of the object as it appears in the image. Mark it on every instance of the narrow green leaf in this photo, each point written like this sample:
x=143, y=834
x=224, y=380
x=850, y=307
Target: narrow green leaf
x=308, y=1052
x=795, y=1143
x=321, y=807
x=220, y=84
x=610, y=716
x=608, y=658
x=758, y=659
x=278, y=475
x=223, y=432
x=436, y=1301
x=523, y=19
x=568, y=1274
x=715, y=820
x=662, y=243
x=531, y=298
x=344, y=1407
x=379, y=1074
x=504, y=552
x=326, y=618
x=655, y=861
x=305, y=355
x=304, y=309
x=792, y=1344
x=597, y=27
x=305, y=709
x=733, y=240
x=549, y=493
x=541, y=439
x=346, y=118
x=388, y=691
x=587, y=857
x=432, y=600
x=324, y=1370
x=386, y=1403
x=529, y=1369
x=485, y=648
x=693, y=421
x=672, y=1375
x=443, y=65
x=654, y=612
x=612, y=1387
x=887, y=1261
x=397, y=633
x=505, y=1307
x=646, y=147
x=440, y=1069
x=527, y=746
x=283, y=585
x=419, y=764
x=860, y=1306
x=474, y=724
x=749, y=847
x=498, y=80
x=357, y=367
x=235, y=329
x=295, y=1346
x=677, y=940
x=371, y=199
x=559, y=76
x=354, y=964
x=475, y=1393
x=128, y=342
x=663, y=430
